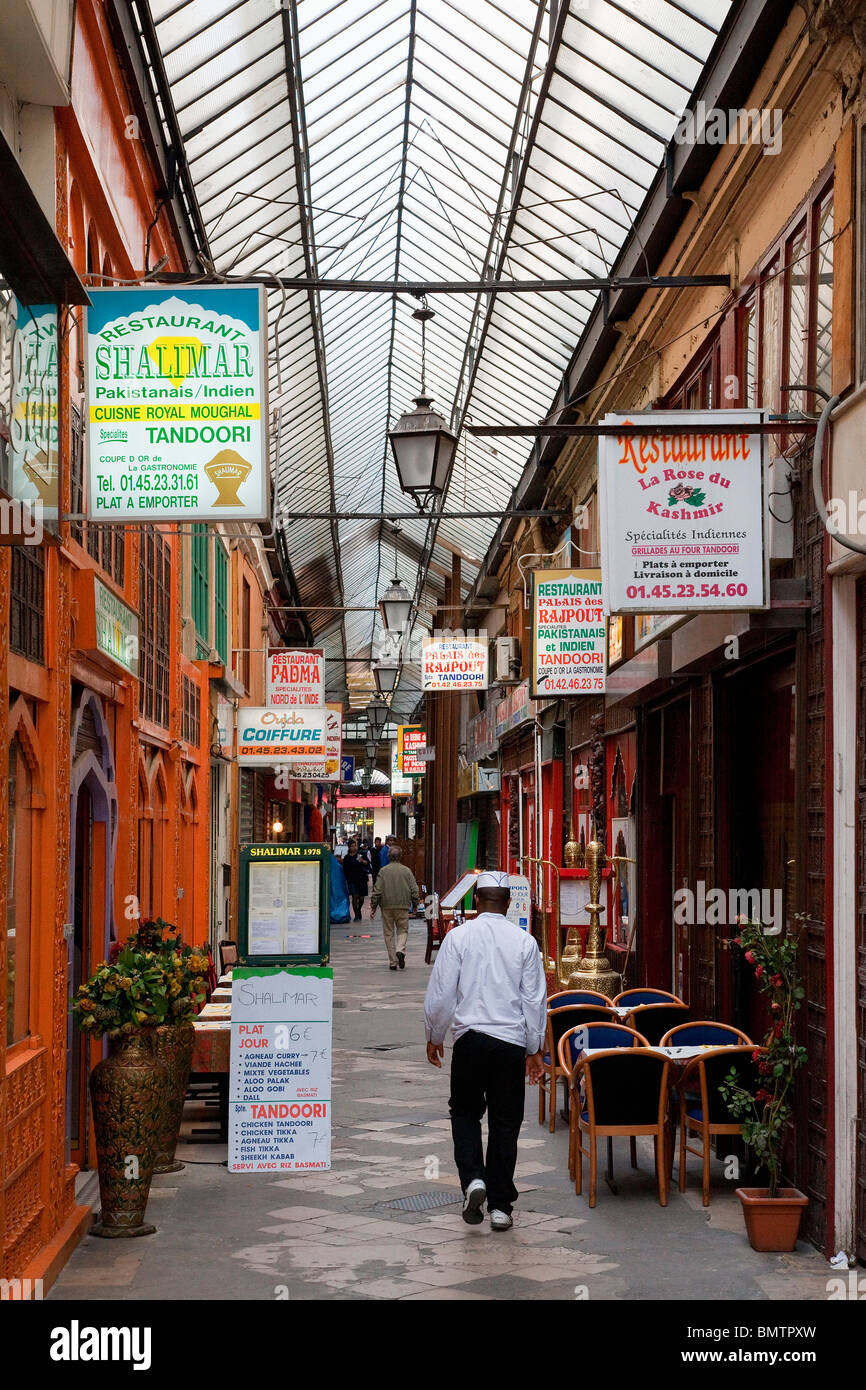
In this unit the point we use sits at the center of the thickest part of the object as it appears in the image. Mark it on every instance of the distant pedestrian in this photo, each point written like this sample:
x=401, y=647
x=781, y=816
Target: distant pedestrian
x=376, y=856
x=356, y=867
x=342, y=849
x=385, y=852
x=488, y=985
x=397, y=891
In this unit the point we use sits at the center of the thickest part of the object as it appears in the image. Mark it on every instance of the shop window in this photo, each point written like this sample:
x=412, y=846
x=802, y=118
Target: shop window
x=785, y=323
x=200, y=580
x=76, y=471
x=191, y=730
x=18, y=894
x=221, y=605
x=27, y=602
x=698, y=387
x=155, y=614
x=245, y=635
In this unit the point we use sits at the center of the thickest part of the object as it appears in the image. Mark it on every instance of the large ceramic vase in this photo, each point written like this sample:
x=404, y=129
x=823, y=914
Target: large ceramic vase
x=174, y=1044
x=127, y=1090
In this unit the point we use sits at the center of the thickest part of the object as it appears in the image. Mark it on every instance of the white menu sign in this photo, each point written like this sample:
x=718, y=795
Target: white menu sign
x=280, y=1070
x=683, y=514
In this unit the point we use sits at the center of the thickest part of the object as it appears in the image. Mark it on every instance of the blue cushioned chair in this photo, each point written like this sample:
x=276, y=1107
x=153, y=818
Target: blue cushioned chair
x=626, y=1094
x=704, y=1033
x=571, y=1045
x=654, y=1020
x=706, y=1113
x=576, y=996
x=559, y=1021
x=646, y=996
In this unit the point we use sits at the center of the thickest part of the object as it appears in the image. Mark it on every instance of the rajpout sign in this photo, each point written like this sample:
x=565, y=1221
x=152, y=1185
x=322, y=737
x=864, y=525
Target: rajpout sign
x=456, y=663
x=683, y=516
x=177, y=404
x=569, y=633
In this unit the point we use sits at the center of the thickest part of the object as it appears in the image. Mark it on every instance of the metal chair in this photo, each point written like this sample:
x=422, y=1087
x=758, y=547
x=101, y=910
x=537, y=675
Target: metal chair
x=706, y=1114
x=704, y=1033
x=626, y=1094
x=577, y=996
x=571, y=1045
x=654, y=1020
x=559, y=1020
x=646, y=996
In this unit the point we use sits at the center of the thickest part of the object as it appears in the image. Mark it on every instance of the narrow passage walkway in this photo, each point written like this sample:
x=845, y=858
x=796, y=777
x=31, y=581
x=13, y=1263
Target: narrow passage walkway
x=339, y=1234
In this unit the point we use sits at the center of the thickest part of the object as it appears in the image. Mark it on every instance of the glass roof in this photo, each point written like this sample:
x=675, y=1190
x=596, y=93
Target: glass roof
x=422, y=140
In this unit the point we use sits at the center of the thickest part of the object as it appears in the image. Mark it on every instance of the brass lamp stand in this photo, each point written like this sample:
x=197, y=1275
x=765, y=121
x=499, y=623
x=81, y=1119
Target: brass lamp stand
x=594, y=970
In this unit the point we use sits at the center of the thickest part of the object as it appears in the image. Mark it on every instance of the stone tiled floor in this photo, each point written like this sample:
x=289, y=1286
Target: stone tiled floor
x=332, y=1236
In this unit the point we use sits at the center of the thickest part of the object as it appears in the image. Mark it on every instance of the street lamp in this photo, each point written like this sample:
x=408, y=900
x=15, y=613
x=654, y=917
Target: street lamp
x=386, y=671
x=421, y=442
x=377, y=716
x=395, y=605
x=371, y=750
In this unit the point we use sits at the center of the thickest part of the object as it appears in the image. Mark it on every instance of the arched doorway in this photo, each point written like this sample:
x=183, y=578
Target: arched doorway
x=93, y=834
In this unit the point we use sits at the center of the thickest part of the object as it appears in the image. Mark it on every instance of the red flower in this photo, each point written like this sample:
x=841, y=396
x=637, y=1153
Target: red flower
x=775, y=1008
x=756, y=1056
x=738, y=941
x=776, y=981
x=763, y=1094
x=777, y=1029
x=764, y=1068
x=759, y=970
x=750, y=957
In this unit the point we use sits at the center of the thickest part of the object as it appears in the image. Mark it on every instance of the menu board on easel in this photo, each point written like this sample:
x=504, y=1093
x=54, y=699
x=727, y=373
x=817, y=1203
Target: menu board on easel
x=284, y=904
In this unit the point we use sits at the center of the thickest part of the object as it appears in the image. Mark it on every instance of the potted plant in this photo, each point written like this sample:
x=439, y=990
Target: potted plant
x=185, y=970
x=126, y=1000
x=772, y=1213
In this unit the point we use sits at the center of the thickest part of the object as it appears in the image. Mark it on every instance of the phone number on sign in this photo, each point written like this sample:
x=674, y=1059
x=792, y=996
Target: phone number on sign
x=687, y=591
x=570, y=682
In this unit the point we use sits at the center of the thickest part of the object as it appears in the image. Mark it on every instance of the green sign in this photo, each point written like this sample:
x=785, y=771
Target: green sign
x=284, y=914
x=116, y=628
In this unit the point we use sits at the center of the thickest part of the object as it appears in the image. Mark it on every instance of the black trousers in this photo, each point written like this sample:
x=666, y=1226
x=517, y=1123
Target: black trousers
x=487, y=1074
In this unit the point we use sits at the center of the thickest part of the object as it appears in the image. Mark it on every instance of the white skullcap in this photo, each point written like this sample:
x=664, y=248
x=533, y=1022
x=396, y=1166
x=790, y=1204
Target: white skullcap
x=492, y=878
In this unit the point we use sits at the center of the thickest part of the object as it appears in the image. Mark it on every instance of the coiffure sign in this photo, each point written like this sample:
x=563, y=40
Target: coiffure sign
x=275, y=736
x=683, y=513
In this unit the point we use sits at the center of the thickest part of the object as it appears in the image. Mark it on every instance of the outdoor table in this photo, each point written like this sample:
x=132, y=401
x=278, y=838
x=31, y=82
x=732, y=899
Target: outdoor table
x=211, y=1051
x=677, y=1055
x=221, y=995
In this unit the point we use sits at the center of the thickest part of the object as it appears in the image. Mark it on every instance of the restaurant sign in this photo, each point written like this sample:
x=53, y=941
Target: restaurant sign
x=411, y=740
x=296, y=677
x=400, y=784
x=569, y=633
x=514, y=709
x=454, y=663
x=177, y=403
x=683, y=514
x=273, y=737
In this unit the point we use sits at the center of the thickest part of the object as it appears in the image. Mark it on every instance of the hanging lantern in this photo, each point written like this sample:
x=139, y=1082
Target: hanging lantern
x=377, y=716
x=421, y=442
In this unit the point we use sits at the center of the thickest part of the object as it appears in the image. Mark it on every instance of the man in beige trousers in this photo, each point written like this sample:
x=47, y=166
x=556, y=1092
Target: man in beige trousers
x=396, y=891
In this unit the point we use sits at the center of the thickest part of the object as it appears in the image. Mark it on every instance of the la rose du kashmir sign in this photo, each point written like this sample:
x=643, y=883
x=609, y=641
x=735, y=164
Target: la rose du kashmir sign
x=177, y=404
x=683, y=515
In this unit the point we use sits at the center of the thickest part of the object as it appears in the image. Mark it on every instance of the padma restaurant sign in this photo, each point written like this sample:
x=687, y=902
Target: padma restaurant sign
x=683, y=514
x=455, y=663
x=569, y=634
x=176, y=404
x=296, y=677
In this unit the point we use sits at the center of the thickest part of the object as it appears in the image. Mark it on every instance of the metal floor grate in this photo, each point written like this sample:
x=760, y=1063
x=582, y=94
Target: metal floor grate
x=423, y=1201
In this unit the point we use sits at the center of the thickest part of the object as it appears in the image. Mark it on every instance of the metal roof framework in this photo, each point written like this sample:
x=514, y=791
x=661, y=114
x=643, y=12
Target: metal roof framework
x=413, y=140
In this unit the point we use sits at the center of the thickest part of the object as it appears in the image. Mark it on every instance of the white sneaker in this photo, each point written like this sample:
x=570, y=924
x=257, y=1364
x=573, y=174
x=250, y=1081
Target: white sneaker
x=500, y=1221
x=473, y=1201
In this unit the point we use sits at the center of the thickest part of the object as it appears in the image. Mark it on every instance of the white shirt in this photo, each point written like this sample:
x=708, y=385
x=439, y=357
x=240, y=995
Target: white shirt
x=488, y=977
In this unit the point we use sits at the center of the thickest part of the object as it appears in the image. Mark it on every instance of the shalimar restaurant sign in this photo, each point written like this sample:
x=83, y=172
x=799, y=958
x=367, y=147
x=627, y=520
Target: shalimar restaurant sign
x=569, y=633
x=683, y=515
x=177, y=404
x=116, y=627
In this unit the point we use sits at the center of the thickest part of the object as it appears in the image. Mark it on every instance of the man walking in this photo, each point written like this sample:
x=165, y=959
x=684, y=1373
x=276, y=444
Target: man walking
x=488, y=984
x=395, y=888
